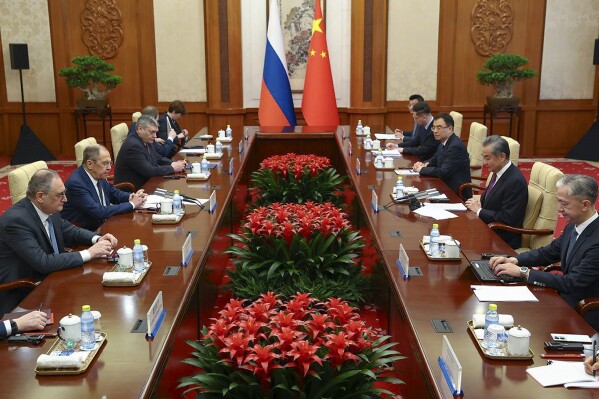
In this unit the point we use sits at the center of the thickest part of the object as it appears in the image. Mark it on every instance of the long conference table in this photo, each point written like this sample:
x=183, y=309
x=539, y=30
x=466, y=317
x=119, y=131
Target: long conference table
x=131, y=365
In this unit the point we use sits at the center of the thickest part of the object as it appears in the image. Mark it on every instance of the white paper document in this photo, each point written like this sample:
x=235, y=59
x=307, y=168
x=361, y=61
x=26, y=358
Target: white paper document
x=569, y=374
x=192, y=151
x=406, y=172
x=390, y=153
x=447, y=206
x=384, y=136
x=493, y=293
x=435, y=213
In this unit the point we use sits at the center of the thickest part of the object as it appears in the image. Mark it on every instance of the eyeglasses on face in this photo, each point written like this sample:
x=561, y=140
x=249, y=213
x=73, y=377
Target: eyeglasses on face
x=106, y=163
x=59, y=196
x=438, y=127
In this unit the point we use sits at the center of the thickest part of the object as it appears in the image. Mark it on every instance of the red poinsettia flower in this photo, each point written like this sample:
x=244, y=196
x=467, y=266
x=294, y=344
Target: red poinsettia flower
x=261, y=360
x=283, y=319
x=286, y=336
x=303, y=355
x=236, y=346
x=319, y=324
x=339, y=348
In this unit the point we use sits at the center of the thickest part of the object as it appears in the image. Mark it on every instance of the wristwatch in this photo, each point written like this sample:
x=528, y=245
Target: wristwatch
x=523, y=271
x=14, y=329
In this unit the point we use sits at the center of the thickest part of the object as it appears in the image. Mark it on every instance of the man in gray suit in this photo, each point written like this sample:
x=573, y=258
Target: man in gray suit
x=33, y=237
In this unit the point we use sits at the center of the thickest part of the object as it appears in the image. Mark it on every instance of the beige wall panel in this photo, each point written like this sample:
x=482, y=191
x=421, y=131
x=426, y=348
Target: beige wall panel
x=570, y=31
x=180, y=50
x=26, y=21
x=413, y=41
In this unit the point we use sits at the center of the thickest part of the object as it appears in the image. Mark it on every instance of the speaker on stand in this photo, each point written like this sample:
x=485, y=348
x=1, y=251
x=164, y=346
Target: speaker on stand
x=585, y=149
x=29, y=147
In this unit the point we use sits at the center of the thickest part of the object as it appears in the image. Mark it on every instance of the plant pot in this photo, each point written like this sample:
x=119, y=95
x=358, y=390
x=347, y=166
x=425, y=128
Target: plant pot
x=503, y=101
x=97, y=104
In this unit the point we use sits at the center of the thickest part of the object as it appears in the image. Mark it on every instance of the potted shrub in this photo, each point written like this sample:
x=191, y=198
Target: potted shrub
x=92, y=75
x=502, y=70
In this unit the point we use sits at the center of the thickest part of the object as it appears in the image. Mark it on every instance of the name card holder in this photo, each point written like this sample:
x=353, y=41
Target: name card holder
x=374, y=202
x=358, y=167
x=186, y=250
x=213, y=202
x=155, y=316
x=240, y=146
x=245, y=134
x=403, y=262
x=451, y=368
x=343, y=134
x=349, y=150
x=231, y=166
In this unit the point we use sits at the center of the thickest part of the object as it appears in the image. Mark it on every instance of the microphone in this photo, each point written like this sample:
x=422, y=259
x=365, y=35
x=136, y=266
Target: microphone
x=169, y=194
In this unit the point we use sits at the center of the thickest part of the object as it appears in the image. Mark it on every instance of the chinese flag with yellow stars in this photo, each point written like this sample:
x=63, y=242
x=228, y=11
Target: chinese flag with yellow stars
x=319, y=105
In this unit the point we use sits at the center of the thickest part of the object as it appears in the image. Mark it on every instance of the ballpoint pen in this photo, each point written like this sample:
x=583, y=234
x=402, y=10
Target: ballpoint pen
x=41, y=306
x=562, y=356
x=594, y=355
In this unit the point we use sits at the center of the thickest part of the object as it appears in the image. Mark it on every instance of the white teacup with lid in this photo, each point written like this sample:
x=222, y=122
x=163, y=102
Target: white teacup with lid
x=70, y=330
x=518, y=341
x=125, y=257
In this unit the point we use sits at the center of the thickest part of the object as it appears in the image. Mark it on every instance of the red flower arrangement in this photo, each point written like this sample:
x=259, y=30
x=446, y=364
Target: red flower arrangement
x=290, y=247
x=295, y=178
x=299, y=348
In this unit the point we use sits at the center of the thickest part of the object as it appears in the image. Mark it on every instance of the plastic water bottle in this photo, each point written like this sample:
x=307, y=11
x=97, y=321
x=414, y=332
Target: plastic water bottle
x=177, y=203
x=204, y=166
x=228, y=132
x=138, y=256
x=399, y=187
x=433, y=243
x=360, y=128
x=218, y=147
x=368, y=143
x=88, y=334
x=492, y=317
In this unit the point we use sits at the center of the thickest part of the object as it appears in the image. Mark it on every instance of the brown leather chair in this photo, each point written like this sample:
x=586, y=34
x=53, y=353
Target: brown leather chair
x=22, y=283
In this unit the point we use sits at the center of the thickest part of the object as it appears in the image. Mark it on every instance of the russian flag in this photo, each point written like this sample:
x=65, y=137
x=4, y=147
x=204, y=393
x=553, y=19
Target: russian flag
x=276, y=104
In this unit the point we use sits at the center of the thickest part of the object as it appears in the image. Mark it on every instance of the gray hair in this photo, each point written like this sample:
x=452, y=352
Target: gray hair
x=92, y=152
x=150, y=110
x=146, y=121
x=498, y=145
x=41, y=181
x=581, y=187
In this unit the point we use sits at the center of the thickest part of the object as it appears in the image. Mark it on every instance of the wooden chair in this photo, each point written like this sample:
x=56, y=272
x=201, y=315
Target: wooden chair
x=478, y=133
x=540, y=217
x=18, y=179
x=21, y=283
x=81, y=146
x=118, y=135
x=458, y=120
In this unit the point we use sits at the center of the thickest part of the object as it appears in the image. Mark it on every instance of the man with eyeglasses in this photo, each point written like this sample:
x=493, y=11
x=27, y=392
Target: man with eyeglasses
x=92, y=199
x=423, y=141
x=451, y=162
x=406, y=137
x=33, y=237
x=138, y=160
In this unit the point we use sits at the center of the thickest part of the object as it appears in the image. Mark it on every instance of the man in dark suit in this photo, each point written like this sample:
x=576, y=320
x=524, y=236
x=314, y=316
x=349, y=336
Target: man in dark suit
x=168, y=122
x=31, y=321
x=33, y=237
x=506, y=196
x=138, y=161
x=92, y=199
x=577, y=248
x=163, y=147
x=451, y=162
x=423, y=141
x=406, y=137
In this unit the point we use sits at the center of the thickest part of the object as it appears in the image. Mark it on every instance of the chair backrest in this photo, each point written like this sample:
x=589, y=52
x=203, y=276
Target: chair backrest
x=135, y=116
x=81, y=146
x=514, y=149
x=541, y=209
x=118, y=134
x=18, y=179
x=478, y=133
x=458, y=120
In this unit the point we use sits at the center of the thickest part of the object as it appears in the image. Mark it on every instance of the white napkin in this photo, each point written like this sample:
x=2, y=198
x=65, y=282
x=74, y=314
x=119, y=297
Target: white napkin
x=506, y=320
x=118, y=277
x=198, y=175
x=164, y=218
x=72, y=361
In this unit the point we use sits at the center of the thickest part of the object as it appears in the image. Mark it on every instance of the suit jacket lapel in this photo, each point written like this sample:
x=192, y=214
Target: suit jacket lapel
x=38, y=222
x=579, y=242
x=90, y=186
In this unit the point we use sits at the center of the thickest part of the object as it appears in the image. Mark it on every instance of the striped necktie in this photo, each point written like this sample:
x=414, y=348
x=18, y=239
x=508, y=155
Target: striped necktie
x=52, y=235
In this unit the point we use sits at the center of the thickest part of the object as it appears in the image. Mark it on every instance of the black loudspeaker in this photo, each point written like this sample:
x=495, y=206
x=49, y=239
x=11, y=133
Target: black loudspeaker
x=596, y=55
x=19, y=56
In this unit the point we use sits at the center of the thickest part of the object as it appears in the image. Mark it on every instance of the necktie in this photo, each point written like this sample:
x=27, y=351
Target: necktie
x=52, y=235
x=492, y=183
x=100, y=194
x=573, y=237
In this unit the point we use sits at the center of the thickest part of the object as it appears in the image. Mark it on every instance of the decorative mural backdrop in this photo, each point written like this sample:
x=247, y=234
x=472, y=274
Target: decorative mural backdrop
x=491, y=26
x=102, y=28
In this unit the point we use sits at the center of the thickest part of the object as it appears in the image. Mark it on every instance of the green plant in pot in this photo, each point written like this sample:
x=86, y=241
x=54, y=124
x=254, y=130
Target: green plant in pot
x=501, y=71
x=92, y=75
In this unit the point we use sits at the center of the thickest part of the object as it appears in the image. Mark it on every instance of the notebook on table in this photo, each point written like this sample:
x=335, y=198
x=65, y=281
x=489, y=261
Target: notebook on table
x=483, y=272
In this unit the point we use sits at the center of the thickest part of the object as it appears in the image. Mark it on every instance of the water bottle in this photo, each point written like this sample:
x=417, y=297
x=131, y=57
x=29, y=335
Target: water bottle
x=228, y=132
x=138, y=256
x=218, y=147
x=204, y=166
x=433, y=243
x=360, y=128
x=492, y=317
x=88, y=335
x=177, y=203
x=368, y=143
x=399, y=187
